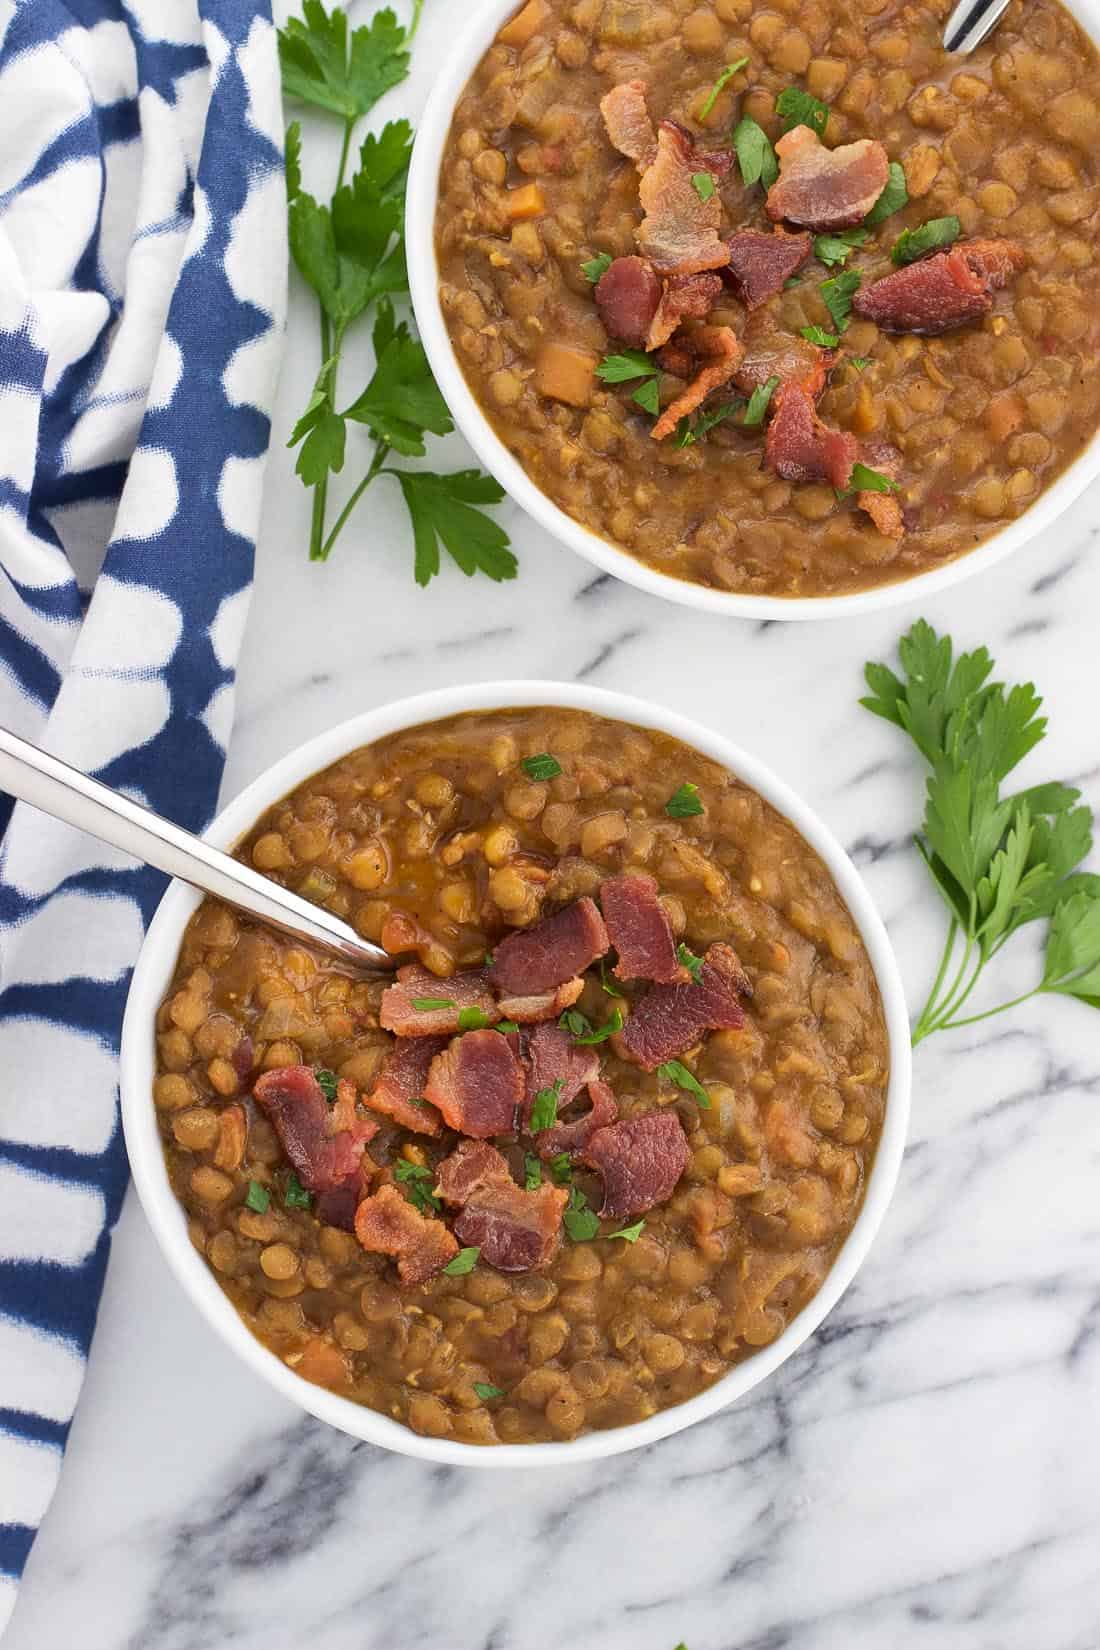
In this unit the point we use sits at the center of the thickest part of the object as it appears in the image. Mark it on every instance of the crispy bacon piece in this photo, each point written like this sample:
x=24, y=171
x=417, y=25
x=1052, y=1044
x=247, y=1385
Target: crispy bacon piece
x=718, y=345
x=884, y=509
x=799, y=446
x=539, y=959
x=628, y=296
x=826, y=188
x=387, y=1224
x=573, y=1136
x=759, y=264
x=414, y=984
x=639, y=929
x=477, y=1083
x=947, y=290
x=685, y=298
x=679, y=233
x=472, y=1166
x=543, y=1005
x=322, y=1155
x=780, y=355
x=515, y=1230
x=640, y=1160
x=401, y=1082
x=626, y=117
x=338, y=1208
x=551, y=1056
x=671, y=1018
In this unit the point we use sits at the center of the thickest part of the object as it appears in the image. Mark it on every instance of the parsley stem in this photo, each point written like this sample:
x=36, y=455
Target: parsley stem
x=923, y=1025
x=986, y=1014
x=380, y=454
x=418, y=7
x=344, y=147
x=317, y=549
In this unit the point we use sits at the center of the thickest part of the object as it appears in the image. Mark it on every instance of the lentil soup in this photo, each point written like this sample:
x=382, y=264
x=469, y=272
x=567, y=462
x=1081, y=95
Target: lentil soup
x=726, y=1022
x=960, y=365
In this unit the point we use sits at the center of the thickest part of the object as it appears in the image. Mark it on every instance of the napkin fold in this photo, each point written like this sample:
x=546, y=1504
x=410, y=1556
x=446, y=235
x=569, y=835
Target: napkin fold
x=142, y=296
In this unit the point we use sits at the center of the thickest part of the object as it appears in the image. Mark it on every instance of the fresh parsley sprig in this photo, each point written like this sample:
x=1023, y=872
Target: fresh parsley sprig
x=998, y=861
x=352, y=253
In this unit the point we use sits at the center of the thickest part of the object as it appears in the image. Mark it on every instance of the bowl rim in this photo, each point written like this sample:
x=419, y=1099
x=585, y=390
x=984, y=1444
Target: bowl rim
x=156, y=963
x=420, y=213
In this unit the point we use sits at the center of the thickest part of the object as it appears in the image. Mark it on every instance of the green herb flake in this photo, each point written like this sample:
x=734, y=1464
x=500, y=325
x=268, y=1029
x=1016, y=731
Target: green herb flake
x=576, y=1023
x=601, y=1033
x=532, y=1172
x=418, y=1182
x=893, y=197
x=932, y=236
x=759, y=401
x=486, y=1392
x=792, y=280
x=327, y=1080
x=505, y=1026
x=561, y=1169
x=463, y=1262
x=472, y=1019
x=720, y=85
x=675, y=1072
x=428, y=1005
x=607, y=982
x=628, y=364
x=836, y=248
x=258, y=1197
x=295, y=1195
x=798, y=108
x=629, y=1234
x=755, y=155
x=865, y=480
x=649, y=397
x=837, y=295
x=703, y=184
x=817, y=335
x=542, y=766
x=693, y=429
x=596, y=268
x=860, y=362
x=544, y=1111
x=580, y=1221
x=684, y=803
x=687, y=959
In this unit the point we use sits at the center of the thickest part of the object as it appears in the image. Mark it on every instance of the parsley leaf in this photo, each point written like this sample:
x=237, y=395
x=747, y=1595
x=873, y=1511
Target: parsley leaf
x=486, y=1392
x=649, y=397
x=441, y=508
x=629, y=1234
x=818, y=335
x=418, y=1182
x=472, y=1019
x=601, y=1033
x=425, y=1005
x=797, y=108
x=837, y=295
x=463, y=1262
x=295, y=1195
x=576, y=1023
x=1073, y=950
x=687, y=959
x=544, y=1112
x=258, y=1197
x=607, y=983
x=759, y=402
x=327, y=1081
x=838, y=246
x=684, y=803
x=402, y=400
x=561, y=1168
x=860, y=362
x=581, y=1222
x=675, y=1072
x=865, y=480
x=720, y=85
x=317, y=67
x=505, y=1026
x=293, y=165
x=542, y=766
x=324, y=430
x=693, y=429
x=630, y=363
x=532, y=1172
x=893, y=197
x=703, y=184
x=912, y=244
x=596, y=268
x=755, y=155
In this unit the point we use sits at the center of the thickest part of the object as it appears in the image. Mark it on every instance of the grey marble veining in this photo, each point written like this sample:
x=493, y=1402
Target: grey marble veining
x=923, y=1475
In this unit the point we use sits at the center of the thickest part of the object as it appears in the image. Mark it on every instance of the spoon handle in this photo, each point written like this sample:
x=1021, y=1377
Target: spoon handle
x=33, y=775
x=970, y=23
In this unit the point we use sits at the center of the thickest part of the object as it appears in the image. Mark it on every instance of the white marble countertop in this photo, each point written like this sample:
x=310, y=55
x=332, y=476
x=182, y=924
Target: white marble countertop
x=923, y=1475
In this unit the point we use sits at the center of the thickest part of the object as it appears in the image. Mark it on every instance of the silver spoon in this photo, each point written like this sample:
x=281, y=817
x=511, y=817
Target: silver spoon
x=33, y=775
x=970, y=23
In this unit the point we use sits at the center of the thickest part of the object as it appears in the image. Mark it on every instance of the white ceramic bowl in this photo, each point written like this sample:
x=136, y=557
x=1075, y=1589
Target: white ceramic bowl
x=157, y=962
x=487, y=17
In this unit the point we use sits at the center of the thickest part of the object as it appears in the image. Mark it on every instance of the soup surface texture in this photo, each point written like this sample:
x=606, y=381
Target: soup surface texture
x=963, y=426
x=733, y=1160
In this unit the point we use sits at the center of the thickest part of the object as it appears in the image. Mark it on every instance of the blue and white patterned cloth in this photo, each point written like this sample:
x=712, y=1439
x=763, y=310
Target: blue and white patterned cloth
x=142, y=296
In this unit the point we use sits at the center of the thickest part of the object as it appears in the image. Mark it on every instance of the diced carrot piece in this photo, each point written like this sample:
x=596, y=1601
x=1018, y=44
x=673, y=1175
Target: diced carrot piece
x=322, y=1363
x=525, y=202
x=524, y=24
x=1004, y=415
x=565, y=373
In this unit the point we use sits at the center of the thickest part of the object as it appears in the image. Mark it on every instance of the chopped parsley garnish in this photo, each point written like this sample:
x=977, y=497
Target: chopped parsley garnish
x=544, y=1112
x=865, y=480
x=472, y=1019
x=505, y=1026
x=817, y=335
x=720, y=85
x=755, y=155
x=327, y=1081
x=295, y=1195
x=892, y=199
x=487, y=1392
x=860, y=362
x=418, y=1182
x=687, y=959
x=596, y=268
x=693, y=429
x=838, y=246
x=561, y=1169
x=684, y=803
x=607, y=983
x=576, y=1023
x=759, y=401
x=628, y=364
x=798, y=108
x=649, y=397
x=703, y=184
x=258, y=1197
x=837, y=295
x=542, y=766
x=675, y=1072
x=427, y=1005
x=581, y=1222
x=463, y=1262
x=532, y=1172
x=629, y=1234
x=792, y=280
x=912, y=244
x=601, y=1033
